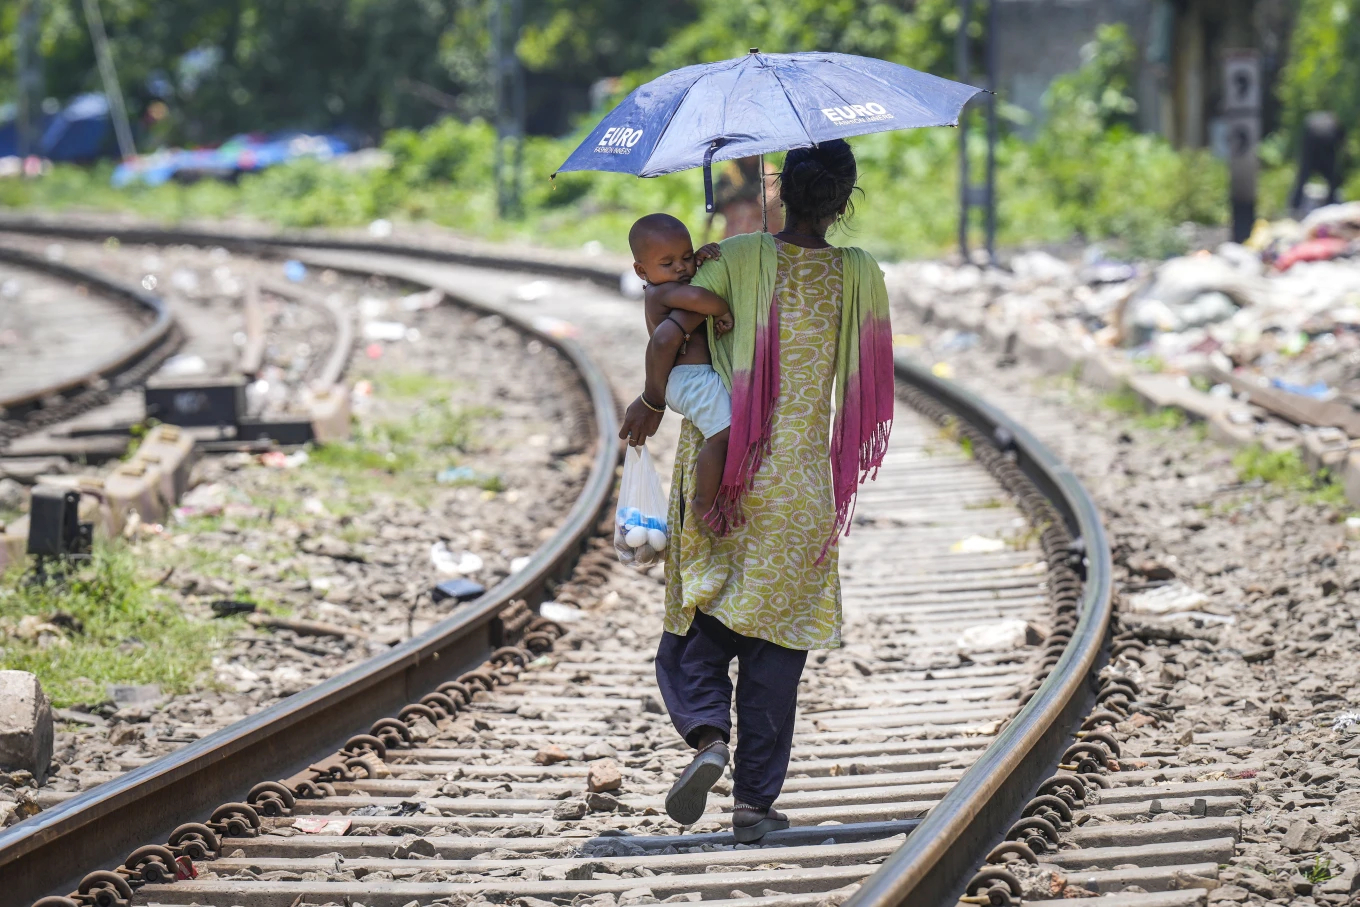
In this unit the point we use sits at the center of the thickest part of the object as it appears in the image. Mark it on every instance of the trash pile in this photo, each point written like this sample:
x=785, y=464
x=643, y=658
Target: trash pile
x=1282, y=309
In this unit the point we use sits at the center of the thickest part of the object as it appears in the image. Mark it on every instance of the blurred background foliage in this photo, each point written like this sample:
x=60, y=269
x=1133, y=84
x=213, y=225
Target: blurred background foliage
x=413, y=76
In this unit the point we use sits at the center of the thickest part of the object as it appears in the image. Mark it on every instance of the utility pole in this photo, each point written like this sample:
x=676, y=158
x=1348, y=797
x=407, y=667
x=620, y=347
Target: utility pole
x=974, y=196
x=114, y=94
x=30, y=79
x=507, y=17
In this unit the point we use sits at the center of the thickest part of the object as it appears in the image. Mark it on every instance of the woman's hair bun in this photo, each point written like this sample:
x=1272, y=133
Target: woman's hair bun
x=817, y=182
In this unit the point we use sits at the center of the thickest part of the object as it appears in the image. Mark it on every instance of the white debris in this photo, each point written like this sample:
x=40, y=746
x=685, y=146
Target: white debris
x=563, y=614
x=978, y=544
x=1000, y=635
x=1167, y=599
x=184, y=365
x=533, y=291
x=384, y=330
x=447, y=562
x=380, y=228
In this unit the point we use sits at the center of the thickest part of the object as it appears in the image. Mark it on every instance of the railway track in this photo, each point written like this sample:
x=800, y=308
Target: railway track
x=114, y=342
x=499, y=756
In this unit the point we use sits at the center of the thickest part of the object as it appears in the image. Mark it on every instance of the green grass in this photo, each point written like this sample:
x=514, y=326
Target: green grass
x=1320, y=871
x=114, y=628
x=1167, y=418
x=413, y=385
x=1126, y=403
x=1285, y=469
x=1123, y=401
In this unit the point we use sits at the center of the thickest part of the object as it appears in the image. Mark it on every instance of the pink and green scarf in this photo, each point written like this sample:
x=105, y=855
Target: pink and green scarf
x=747, y=359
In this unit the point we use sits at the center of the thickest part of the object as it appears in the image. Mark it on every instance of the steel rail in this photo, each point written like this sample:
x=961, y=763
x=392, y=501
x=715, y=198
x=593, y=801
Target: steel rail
x=934, y=865
x=48, y=853
x=546, y=263
x=116, y=362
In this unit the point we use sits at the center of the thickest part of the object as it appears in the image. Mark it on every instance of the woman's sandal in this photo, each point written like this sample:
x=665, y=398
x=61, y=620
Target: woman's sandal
x=689, y=794
x=770, y=820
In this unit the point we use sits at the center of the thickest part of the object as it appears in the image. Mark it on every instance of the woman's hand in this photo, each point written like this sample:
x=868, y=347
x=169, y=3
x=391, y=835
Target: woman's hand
x=640, y=422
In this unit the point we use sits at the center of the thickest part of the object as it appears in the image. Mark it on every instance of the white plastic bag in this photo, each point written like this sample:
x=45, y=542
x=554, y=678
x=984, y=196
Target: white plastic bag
x=640, y=519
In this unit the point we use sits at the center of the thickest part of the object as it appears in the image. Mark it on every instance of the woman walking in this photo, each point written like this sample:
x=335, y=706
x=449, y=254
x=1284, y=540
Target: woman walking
x=811, y=322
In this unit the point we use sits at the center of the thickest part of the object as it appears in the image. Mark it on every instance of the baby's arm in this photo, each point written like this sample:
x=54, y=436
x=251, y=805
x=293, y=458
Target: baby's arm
x=688, y=298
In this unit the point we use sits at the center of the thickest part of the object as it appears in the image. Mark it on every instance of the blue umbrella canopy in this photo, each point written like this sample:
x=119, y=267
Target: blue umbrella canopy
x=762, y=103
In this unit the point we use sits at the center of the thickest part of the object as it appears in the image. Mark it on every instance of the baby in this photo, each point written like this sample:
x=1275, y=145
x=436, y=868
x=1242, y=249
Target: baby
x=665, y=259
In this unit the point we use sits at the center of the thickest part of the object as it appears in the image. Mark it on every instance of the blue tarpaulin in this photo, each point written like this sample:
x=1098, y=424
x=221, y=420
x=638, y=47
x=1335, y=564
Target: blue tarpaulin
x=239, y=154
x=82, y=131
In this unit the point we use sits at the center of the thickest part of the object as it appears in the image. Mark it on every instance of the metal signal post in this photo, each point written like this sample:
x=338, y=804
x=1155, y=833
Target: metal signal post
x=507, y=80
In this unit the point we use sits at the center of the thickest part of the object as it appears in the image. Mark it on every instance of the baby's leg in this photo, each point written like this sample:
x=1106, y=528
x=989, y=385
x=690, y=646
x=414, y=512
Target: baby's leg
x=708, y=473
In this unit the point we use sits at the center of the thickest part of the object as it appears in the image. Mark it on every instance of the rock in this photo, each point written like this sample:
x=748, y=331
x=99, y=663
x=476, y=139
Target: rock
x=414, y=848
x=133, y=695
x=24, y=805
x=1228, y=894
x=1302, y=836
x=569, y=810
x=1300, y=884
x=25, y=724
x=604, y=775
x=12, y=494
x=551, y=755
x=125, y=733
x=601, y=803
x=1152, y=569
x=600, y=750
x=652, y=705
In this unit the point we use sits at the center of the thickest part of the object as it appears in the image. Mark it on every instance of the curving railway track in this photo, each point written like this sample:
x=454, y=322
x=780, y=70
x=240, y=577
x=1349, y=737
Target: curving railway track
x=500, y=757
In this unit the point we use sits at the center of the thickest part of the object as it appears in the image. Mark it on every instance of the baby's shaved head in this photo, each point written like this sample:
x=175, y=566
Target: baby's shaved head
x=653, y=227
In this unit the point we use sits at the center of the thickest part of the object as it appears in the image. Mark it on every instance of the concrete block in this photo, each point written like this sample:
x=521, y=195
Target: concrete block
x=172, y=450
x=25, y=724
x=136, y=486
x=1325, y=448
x=329, y=409
x=1231, y=428
x=1350, y=478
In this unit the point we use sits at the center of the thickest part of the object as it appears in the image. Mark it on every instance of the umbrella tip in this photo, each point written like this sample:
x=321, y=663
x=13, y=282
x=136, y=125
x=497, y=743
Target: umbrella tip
x=755, y=50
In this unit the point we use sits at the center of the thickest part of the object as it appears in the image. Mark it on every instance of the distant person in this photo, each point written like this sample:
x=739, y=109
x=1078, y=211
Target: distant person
x=1320, y=155
x=810, y=370
x=736, y=196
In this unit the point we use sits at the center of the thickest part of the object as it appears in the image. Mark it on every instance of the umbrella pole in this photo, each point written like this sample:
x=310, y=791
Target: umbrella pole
x=764, y=214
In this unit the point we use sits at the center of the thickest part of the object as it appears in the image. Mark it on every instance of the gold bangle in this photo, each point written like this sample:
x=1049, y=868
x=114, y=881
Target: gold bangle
x=647, y=403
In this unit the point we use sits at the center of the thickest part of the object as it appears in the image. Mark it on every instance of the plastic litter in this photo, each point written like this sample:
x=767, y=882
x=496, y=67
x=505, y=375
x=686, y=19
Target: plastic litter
x=640, y=534
x=447, y=562
x=1345, y=720
x=322, y=825
x=183, y=365
x=1166, y=600
x=563, y=614
x=384, y=330
x=1001, y=635
x=460, y=590
x=380, y=228
x=294, y=270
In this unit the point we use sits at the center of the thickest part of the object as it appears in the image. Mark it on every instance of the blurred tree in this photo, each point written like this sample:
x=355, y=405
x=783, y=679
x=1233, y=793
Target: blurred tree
x=1324, y=67
x=916, y=33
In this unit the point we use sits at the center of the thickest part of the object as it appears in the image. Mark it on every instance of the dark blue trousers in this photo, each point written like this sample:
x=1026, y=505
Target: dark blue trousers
x=692, y=673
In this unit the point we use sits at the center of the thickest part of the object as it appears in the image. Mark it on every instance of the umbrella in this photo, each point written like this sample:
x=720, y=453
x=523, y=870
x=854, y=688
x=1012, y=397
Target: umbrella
x=761, y=103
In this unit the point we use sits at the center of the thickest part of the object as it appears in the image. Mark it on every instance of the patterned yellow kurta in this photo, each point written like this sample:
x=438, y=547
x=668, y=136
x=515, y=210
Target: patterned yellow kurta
x=763, y=580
